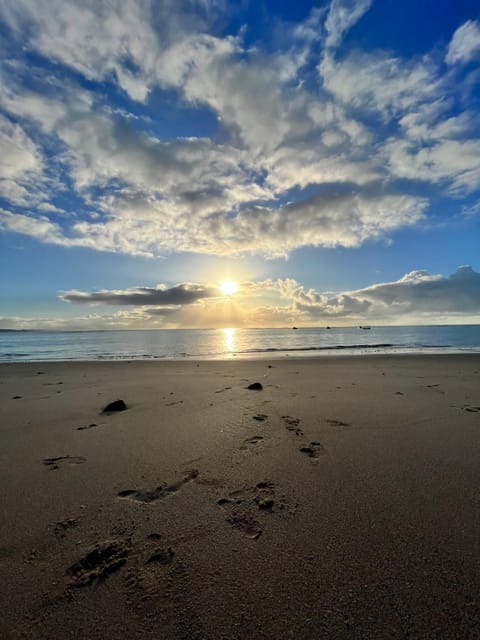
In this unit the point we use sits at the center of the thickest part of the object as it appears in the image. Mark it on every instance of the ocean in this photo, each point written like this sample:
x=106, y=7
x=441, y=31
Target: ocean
x=39, y=346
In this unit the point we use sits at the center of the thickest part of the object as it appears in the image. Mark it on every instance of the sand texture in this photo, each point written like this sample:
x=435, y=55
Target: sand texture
x=339, y=501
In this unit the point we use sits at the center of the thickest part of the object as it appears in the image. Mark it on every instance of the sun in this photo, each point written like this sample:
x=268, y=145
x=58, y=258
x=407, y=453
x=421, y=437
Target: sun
x=228, y=287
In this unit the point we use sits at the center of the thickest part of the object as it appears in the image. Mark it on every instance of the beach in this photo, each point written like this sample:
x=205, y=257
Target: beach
x=340, y=500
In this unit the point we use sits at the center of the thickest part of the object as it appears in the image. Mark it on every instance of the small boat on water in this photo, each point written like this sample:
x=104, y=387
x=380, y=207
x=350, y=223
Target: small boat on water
x=328, y=327
x=364, y=327
x=295, y=328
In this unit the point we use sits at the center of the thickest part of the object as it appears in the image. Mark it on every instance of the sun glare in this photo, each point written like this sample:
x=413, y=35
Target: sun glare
x=228, y=287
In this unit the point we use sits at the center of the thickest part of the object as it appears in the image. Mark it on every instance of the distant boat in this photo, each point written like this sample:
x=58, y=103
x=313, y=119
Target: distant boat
x=328, y=327
x=294, y=327
x=364, y=327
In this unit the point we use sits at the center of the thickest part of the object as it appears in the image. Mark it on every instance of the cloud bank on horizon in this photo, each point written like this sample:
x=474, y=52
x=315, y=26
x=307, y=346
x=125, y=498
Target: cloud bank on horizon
x=417, y=296
x=155, y=127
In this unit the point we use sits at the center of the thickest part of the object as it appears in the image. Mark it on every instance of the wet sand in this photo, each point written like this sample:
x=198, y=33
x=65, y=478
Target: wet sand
x=342, y=500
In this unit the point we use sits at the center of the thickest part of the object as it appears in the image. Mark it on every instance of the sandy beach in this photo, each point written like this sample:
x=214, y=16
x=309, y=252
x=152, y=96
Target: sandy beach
x=342, y=500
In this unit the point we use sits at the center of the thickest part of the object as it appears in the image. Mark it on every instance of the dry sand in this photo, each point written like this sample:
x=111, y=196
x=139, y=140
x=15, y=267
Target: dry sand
x=341, y=501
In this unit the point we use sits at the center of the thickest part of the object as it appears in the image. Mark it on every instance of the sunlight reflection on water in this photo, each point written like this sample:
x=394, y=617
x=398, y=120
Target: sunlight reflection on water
x=229, y=339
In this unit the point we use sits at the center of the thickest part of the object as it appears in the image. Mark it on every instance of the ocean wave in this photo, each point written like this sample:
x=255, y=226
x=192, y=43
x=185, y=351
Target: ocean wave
x=329, y=348
x=15, y=355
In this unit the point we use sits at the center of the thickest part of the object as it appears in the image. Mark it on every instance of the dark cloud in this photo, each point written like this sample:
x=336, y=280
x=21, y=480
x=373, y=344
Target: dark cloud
x=415, y=294
x=181, y=294
x=420, y=291
x=161, y=311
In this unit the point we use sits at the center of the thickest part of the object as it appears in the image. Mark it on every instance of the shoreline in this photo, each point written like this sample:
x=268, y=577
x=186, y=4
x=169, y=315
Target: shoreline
x=341, y=499
x=301, y=354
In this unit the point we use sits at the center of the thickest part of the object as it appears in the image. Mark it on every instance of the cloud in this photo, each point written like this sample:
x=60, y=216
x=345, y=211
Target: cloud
x=181, y=294
x=103, y=39
x=346, y=136
x=191, y=194
x=21, y=165
x=327, y=220
x=342, y=15
x=418, y=291
x=417, y=297
x=39, y=227
x=465, y=44
x=417, y=294
x=313, y=304
x=455, y=162
x=380, y=83
x=131, y=319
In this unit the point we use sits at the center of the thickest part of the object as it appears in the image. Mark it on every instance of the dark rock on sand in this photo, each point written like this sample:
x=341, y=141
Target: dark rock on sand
x=255, y=386
x=117, y=405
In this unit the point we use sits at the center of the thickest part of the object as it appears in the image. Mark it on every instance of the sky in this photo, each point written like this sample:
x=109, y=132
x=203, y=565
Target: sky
x=325, y=157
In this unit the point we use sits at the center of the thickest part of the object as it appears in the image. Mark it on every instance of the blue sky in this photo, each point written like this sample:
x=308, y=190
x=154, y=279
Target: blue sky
x=325, y=156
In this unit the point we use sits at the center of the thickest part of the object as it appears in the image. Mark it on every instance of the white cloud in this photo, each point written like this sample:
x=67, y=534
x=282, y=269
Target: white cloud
x=330, y=220
x=192, y=194
x=342, y=15
x=131, y=319
x=380, y=83
x=281, y=130
x=465, y=44
x=96, y=38
x=21, y=165
x=416, y=295
x=38, y=227
x=456, y=162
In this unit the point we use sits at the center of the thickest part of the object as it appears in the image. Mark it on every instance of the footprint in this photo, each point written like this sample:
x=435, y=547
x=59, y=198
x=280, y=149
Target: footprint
x=240, y=520
x=253, y=440
x=60, y=528
x=313, y=450
x=336, y=423
x=55, y=463
x=149, y=581
x=160, y=492
x=264, y=497
x=260, y=417
x=92, y=425
x=154, y=536
x=161, y=556
x=291, y=424
x=247, y=525
x=241, y=507
x=99, y=563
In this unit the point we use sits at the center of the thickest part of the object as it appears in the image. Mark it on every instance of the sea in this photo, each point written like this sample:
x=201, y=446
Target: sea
x=183, y=344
